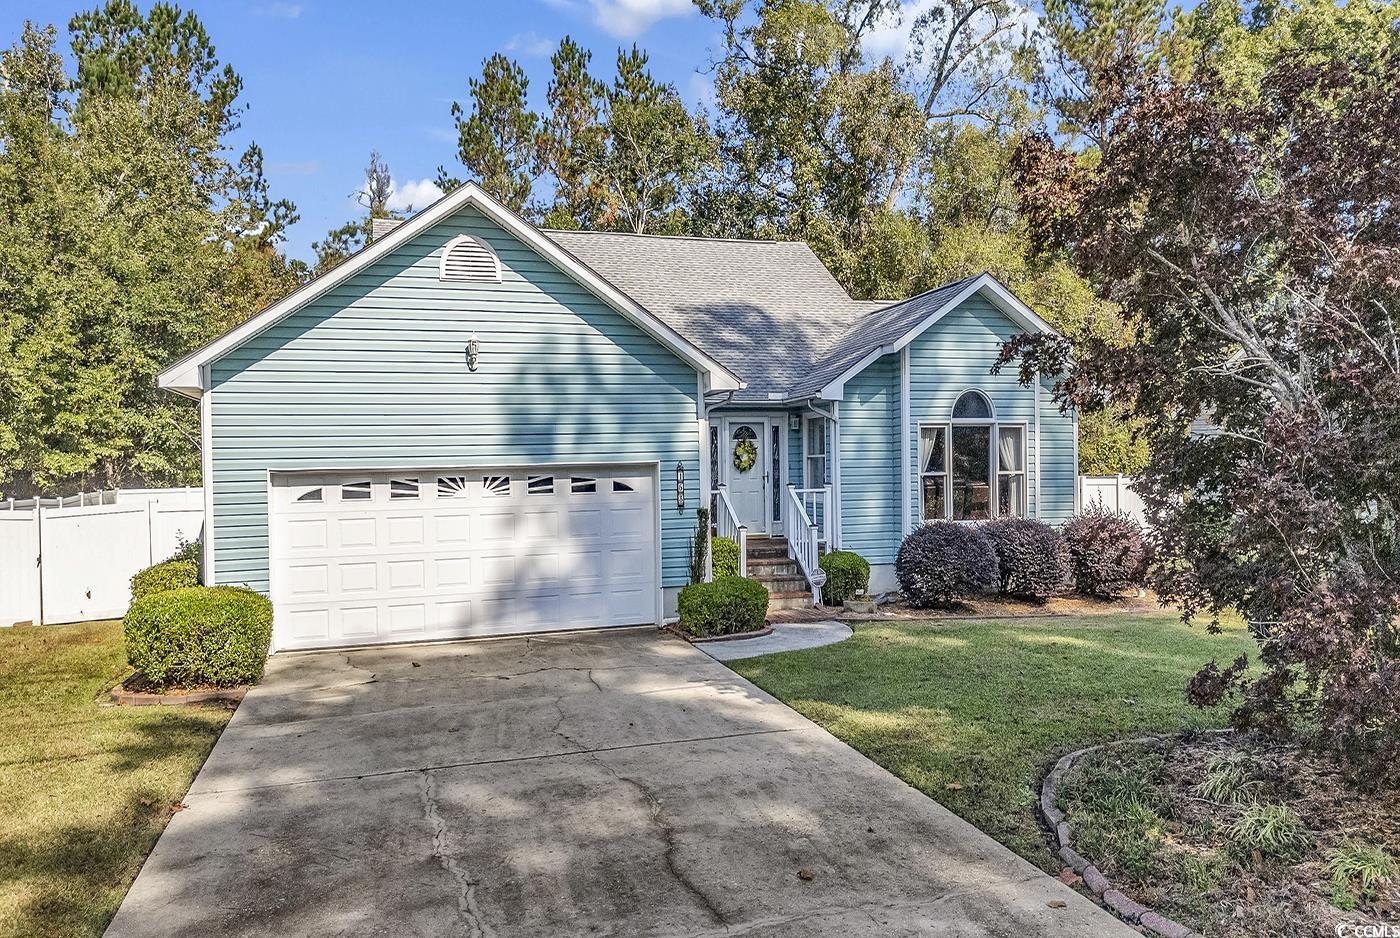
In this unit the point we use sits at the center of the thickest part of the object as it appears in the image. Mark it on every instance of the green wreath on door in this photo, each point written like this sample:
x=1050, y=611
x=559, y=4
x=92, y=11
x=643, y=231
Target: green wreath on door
x=745, y=455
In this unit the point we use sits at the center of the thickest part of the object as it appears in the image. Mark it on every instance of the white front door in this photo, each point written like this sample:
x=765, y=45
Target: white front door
x=747, y=459
x=366, y=557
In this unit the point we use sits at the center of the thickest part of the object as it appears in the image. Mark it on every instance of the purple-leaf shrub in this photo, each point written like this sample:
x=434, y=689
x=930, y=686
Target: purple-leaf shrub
x=943, y=561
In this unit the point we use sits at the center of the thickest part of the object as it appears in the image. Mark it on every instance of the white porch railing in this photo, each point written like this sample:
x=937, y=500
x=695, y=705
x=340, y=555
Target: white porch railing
x=727, y=525
x=804, y=539
x=816, y=502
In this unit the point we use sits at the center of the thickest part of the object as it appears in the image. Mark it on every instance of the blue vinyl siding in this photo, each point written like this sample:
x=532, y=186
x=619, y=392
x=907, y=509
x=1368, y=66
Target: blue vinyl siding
x=869, y=423
x=955, y=354
x=1059, y=472
x=373, y=375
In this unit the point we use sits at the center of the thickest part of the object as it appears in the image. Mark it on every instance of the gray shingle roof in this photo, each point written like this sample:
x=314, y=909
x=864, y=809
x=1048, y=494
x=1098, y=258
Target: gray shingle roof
x=769, y=311
x=879, y=327
x=764, y=309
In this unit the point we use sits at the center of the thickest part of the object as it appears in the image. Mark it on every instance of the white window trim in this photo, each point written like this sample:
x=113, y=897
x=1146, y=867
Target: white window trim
x=807, y=455
x=919, y=469
x=995, y=465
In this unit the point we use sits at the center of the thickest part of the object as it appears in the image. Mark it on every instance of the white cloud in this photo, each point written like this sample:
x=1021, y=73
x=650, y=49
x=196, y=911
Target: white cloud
x=890, y=38
x=628, y=19
x=702, y=91
x=415, y=194
x=625, y=19
x=531, y=44
x=281, y=11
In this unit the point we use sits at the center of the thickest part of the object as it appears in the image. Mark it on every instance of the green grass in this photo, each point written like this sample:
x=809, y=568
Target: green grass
x=970, y=712
x=84, y=790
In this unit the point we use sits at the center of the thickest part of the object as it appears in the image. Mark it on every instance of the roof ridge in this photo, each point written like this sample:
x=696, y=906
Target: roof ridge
x=673, y=237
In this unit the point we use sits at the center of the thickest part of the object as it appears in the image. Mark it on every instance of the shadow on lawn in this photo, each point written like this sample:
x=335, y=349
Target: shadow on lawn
x=70, y=874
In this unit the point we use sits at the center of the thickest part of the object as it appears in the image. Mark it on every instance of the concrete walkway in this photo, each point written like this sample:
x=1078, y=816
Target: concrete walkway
x=604, y=784
x=786, y=636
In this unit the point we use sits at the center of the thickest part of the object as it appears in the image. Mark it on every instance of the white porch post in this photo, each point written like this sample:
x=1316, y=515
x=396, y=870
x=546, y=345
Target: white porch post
x=904, y=474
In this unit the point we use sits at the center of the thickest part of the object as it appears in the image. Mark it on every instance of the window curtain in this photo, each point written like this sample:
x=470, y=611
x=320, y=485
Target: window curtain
x=1011, y=450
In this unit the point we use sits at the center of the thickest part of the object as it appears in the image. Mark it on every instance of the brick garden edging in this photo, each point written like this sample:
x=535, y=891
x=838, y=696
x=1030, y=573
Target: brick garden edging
x=128, y=698
x=1131, y=911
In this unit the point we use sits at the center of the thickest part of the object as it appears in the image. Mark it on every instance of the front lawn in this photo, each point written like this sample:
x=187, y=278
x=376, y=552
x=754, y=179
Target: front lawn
x=971, y=711
x=86, y=790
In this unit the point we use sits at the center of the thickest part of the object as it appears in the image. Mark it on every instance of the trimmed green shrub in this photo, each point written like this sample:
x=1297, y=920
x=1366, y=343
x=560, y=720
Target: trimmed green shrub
x=727, y=606
x=166, y=575
x=847, y=576
x=1106, y=552
x=942, y=561
x=199, y=635
x=724, y=556
x=1031, y=556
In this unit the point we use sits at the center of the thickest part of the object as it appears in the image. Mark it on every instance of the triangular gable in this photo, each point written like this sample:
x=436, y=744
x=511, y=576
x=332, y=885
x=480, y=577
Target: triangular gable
x=189, y=375
x=832, y=387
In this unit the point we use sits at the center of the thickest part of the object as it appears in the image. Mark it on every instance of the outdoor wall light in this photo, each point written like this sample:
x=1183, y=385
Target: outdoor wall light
x=680, y=486
x=794, y=422
x=473, y=351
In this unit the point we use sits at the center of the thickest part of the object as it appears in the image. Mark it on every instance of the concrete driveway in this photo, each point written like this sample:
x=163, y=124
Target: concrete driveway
x=594, y=784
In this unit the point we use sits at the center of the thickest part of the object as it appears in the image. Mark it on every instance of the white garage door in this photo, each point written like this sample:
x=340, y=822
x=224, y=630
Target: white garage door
x=360, y=558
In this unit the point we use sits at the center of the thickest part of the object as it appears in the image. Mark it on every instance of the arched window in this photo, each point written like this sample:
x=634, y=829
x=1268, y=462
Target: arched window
x=973, y=405
x=973, y=468
x=469, y=259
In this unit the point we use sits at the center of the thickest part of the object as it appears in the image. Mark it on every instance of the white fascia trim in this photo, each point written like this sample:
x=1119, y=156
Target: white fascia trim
x=1002, y=298
x=187, y=376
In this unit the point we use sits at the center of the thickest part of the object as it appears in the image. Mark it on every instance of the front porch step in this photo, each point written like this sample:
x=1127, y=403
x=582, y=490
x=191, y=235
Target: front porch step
x=798, y=600
x=769, y=564
x=773, y=567
x=765, y=548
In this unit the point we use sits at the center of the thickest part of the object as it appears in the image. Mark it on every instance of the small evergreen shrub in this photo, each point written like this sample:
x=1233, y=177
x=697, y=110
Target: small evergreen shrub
x=166, y=575
x=1031, y=556
x=943, y=561
x=847, y=576
x=199, y=635
x=1106, y=552
x=699, y=544
x=727, y=606
x=724, y=557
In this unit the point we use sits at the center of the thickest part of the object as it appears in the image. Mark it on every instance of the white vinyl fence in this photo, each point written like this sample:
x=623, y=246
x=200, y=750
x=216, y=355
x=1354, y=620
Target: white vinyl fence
x=72, y=559
x=1112, y=492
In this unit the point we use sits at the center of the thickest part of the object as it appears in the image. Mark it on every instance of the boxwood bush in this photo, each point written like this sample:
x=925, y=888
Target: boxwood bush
x=727, y=606
x=1106, y=552
x=724, y=556
x=847, y=576
x=166, y=575
x=943, y=561
x=198, y=636
x=1031, y=556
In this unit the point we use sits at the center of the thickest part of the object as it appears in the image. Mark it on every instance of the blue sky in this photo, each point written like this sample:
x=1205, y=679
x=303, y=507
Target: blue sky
x=327, y=80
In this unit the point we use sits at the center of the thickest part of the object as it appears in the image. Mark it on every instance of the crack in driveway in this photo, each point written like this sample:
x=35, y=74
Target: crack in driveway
x=467, y=907
x=668, y=837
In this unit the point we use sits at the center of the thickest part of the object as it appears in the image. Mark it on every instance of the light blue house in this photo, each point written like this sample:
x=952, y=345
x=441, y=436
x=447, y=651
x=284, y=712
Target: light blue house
x=475, y=426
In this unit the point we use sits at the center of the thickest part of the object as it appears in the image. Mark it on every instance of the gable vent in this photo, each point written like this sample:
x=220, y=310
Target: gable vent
x=466, y=258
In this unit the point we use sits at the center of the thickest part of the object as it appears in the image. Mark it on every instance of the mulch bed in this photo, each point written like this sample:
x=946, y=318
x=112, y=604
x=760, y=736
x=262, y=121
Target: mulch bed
x=1000, y=607
x=1241, y=895
x=702, y=639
